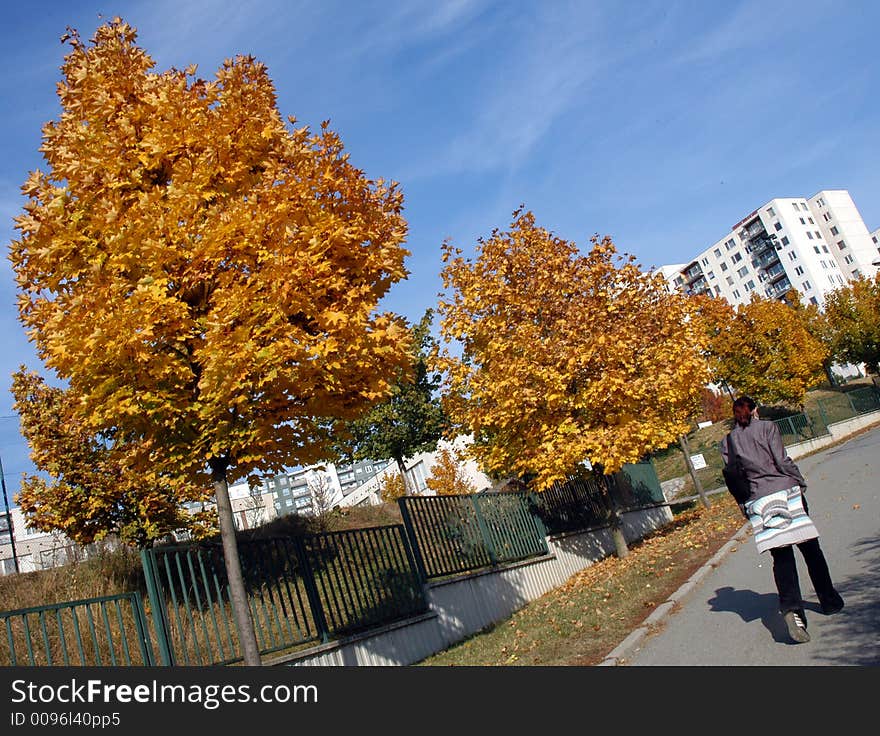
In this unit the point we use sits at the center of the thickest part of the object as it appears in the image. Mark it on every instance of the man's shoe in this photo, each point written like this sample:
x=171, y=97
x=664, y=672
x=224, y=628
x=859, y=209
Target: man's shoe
x=797, y=626
x=832, y=606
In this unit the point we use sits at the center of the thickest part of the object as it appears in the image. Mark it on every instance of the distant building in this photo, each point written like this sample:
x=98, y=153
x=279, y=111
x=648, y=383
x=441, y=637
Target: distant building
x=813, y=245
x=319, y=487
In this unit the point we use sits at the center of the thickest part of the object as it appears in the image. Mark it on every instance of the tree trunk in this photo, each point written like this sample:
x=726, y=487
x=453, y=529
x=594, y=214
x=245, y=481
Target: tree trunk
x=829, y=374
x=401, y=466
x=620, y=547
x=685, y=448
x=237, y=595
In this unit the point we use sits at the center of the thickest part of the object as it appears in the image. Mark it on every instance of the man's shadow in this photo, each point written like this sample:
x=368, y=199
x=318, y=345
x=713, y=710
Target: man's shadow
x=751, y=606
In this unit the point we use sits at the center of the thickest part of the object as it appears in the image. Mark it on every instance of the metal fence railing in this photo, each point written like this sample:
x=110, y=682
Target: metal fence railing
x=93, y=632
x=573, y=505
x=456, y=534
x=300, y=590
x=849, y=404
x=800, y=427
x=364, y=577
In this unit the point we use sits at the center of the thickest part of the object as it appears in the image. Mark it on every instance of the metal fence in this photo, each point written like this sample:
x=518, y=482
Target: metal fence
x=846, y=405
x=573, y=505
x=800, y=427
x=300, y=590
x=455, y=534
x=94, y=632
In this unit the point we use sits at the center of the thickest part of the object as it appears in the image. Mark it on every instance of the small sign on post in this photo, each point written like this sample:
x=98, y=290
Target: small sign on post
x=698, y=461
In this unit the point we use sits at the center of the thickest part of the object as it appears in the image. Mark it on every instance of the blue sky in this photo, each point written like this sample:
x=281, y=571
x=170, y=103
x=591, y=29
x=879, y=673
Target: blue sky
x=658, y=123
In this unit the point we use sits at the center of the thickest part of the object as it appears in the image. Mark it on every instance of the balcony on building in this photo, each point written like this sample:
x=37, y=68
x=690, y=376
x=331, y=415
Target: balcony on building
x=692, y=273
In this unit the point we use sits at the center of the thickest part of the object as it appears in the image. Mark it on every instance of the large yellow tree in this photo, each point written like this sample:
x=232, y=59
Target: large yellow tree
x=204, y=275
x=552, y=357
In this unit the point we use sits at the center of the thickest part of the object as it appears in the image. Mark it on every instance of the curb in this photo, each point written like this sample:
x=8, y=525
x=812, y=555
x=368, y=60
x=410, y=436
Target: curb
x=618, y=655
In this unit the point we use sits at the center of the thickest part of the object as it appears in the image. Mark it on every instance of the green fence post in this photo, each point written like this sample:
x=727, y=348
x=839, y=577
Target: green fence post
x=413, y=539
x=140, y=625
x=851, y=404
x=820, y=406
x=312, y=591
x=791, y=427
x=157, y=608
x=484, y=531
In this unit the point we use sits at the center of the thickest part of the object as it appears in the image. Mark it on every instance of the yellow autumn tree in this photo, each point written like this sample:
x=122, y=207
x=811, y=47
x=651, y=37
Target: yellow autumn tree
x=392, y=487
x=853, y=314
x=763, y=349
x=91, y=484
x=204, y=275
x=552, y=357
x=447, y=474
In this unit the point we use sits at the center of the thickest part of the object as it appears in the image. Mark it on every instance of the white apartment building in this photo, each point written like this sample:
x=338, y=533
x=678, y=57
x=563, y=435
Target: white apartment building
x=815, y=245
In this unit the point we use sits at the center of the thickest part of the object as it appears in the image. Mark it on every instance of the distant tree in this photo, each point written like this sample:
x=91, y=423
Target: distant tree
x=410, y=420
x=853, y=313
x=448, y=477
x=762, y=349
x=819, y=326
x=392, y=487
x=93, y=486
x=715, y=407
x=205, y=277
x=563, y=356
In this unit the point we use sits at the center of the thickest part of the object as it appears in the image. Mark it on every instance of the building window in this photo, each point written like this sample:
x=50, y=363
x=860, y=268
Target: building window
x=750, y=285
x=777, y=225
x=735, y=294
x=730, y=244
x=834, y=230
x=737, y=257
x=717, y=252
x=813, y=300
x=848, y=259
x=841, y=244
x=771, y=212
x=794, y=204
x=806, y=286
x=710, y=274
x=743, y=272
x=804, y=207
x=799, y=271
x=810, y=236
x=824, y=248
x=820, y=202
x=818, y=235
x=717, y=290
x=792, y=256
x=723, y=266
x=730, y=280
x=784, y=240
x=810, y=220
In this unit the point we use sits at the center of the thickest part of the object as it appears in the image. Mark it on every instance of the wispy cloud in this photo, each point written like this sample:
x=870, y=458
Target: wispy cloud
x=525, y=83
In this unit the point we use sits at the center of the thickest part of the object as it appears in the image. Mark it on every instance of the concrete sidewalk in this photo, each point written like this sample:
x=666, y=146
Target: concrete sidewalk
x=726, y=614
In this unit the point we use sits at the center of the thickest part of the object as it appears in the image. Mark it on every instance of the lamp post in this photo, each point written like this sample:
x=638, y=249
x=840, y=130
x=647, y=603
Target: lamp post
x=10, y=528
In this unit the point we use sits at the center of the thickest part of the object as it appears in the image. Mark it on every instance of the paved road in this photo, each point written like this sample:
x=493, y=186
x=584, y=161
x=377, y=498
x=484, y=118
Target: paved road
x=730, y=617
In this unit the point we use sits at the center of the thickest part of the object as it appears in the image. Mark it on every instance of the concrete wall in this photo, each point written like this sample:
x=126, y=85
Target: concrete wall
x=465, y=604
